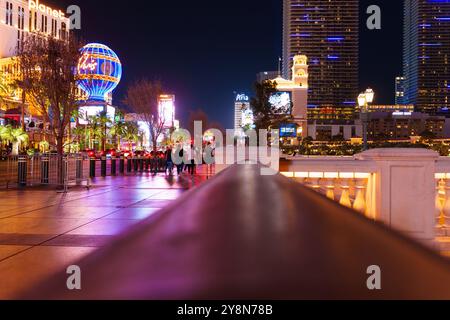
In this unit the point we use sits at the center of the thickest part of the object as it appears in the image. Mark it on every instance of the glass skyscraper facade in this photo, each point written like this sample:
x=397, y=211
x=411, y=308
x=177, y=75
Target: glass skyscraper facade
x=426, y=54
x=327, y=32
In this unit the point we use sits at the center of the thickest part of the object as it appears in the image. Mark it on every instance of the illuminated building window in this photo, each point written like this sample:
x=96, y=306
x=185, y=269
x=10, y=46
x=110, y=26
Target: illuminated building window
x=9, y=13
x=63, y=31
x=21, y=18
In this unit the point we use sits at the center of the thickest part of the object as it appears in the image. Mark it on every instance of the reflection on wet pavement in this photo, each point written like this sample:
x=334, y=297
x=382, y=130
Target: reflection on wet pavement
x=42, y=231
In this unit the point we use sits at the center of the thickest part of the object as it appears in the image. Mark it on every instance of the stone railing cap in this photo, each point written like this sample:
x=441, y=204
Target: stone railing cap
x=398, y=153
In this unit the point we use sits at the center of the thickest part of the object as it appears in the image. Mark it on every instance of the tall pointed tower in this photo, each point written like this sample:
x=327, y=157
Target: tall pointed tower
x=300, y=71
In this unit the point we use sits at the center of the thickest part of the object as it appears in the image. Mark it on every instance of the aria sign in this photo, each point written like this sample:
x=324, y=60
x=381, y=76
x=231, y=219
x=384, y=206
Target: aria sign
x=242, y=98
x=35, y=5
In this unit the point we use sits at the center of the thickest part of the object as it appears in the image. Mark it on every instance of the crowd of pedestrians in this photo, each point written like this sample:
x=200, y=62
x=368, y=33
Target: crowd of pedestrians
x=185, y=158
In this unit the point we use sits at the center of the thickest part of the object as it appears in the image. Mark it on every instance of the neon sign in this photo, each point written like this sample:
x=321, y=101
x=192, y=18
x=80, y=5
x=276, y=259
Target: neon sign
x=242, y=97
x=34, y=4
x=87, y=63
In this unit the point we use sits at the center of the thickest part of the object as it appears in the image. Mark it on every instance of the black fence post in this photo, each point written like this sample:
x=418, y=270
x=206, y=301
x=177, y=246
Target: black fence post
x=113, y=166
x=103, y=166
x=79, y=168
x=147, y=164
x=22, y=171
x=129, y=165
x=92, y=167
x=121, y=165
x=136, y=164
x=141, y=164
x=45, y=165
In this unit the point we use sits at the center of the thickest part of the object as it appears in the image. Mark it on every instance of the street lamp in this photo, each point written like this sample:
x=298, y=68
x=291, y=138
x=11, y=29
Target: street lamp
x=370, y=95
x=363, y=101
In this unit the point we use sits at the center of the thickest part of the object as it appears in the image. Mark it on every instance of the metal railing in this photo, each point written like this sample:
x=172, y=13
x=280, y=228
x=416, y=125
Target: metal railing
x=242, y=235
x=44, y=169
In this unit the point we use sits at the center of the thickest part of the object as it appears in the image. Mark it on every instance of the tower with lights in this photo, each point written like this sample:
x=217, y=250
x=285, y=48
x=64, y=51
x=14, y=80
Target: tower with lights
x=327, y=32
x=426, y=54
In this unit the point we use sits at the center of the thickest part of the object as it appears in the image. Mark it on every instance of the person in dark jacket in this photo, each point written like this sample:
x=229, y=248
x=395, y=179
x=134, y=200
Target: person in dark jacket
x=169, y=162
x=181, y=159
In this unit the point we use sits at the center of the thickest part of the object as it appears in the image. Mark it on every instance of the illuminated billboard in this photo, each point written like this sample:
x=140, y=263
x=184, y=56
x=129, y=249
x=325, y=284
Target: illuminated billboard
x=288, y=130
x=248, y=121
x=281, y=102
x=167, y=110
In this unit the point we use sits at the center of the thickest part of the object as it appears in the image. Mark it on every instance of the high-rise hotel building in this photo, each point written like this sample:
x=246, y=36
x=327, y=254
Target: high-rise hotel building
x=327, y=32
x=426, y=54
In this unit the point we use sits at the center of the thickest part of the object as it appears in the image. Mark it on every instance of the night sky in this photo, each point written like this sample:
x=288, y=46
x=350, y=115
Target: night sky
x=205, y=50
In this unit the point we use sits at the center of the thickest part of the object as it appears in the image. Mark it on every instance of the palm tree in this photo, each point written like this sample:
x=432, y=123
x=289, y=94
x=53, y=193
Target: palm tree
x=16, y=136
x=94, y=130
x=103, y=122
x=118, y=130
x=2, y=135
x=79, y=132
x=131, y=133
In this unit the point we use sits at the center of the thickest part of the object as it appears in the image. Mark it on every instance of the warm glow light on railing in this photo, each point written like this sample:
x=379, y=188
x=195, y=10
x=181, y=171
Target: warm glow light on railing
x=301, y=174
x=362, y=175
x=316, y=174
x=329, y=175
x=288, y=174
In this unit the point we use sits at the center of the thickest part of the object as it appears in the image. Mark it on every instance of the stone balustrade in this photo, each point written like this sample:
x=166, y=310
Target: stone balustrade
x=407, y=189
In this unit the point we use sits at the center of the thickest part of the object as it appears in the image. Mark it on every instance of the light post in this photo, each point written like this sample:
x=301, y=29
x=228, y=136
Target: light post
x=363, y=101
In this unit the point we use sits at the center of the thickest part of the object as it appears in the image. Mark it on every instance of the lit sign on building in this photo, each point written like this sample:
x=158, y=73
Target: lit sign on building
x=167, y=110
x=35, y=5
x=87, y=63
x=248, y=121
x=281, y=102
x=242, y=98
x=288, y=130
x=400, y=113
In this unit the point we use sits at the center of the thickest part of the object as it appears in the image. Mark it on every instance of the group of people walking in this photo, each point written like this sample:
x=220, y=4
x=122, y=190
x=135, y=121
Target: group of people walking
x=183, y=158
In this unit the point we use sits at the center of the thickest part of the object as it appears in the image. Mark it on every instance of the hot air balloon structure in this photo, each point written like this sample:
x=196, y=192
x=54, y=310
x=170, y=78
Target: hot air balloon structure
x=99, y=71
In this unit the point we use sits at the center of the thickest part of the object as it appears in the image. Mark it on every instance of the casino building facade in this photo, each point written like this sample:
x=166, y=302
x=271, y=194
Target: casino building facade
x=19, y=18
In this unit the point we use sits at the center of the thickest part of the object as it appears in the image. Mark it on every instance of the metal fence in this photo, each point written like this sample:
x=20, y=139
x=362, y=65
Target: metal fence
x=47, y=169
x=53, y=170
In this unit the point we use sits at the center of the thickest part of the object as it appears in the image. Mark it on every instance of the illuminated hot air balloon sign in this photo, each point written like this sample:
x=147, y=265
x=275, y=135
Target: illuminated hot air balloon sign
x=99, y=71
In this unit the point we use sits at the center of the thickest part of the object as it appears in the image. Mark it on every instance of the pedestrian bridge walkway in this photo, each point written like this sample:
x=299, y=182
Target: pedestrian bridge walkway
x=242, y=235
